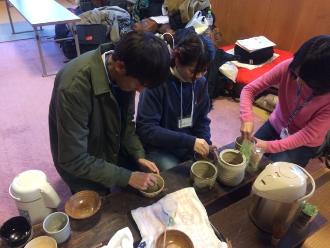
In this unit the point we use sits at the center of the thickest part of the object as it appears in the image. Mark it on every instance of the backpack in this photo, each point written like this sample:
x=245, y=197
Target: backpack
x=253, y=58
x=90, y=36
x=95, y=28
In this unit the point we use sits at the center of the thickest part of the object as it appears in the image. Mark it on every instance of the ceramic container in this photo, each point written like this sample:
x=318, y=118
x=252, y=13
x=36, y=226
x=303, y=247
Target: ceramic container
x=154, y=190
x=16, y=231
x=232, y=166
x=57, y=225
x=203, y=174
x=83, y=204
x=42, y=242
x=173, y=238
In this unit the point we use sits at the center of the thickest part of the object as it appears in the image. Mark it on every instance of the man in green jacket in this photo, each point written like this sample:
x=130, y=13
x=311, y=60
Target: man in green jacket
x=92, y=132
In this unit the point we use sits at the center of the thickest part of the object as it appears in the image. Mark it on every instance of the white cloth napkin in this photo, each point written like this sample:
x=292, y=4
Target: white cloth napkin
x=190, y=218
x=122, y=239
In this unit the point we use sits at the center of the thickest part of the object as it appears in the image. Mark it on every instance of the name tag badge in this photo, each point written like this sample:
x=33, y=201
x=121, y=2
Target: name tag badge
x=185, y=122
x=284, y=133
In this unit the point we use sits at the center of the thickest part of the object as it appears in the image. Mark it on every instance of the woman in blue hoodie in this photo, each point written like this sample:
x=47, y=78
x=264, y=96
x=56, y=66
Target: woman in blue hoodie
x=172, y=119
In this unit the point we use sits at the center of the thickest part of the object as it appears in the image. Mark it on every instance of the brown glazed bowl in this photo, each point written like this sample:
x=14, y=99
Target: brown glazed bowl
x=154, y=190
x=83, y=204
x=174, y=238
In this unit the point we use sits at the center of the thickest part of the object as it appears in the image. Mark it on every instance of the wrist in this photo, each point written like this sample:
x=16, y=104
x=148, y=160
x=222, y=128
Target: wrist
x=263, y=145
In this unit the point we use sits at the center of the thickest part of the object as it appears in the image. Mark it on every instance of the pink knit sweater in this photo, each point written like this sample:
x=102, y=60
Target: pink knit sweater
x=308, y=127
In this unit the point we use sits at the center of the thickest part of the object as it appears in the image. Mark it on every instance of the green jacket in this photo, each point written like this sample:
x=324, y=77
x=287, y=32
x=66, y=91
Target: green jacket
x=87, y=128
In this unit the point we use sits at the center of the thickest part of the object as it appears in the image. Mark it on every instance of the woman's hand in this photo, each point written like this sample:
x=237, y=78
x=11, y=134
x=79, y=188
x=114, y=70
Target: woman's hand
x=148, y=164
x=246, y=129
x=201, y=147
x=141, y=180
x=261, y=144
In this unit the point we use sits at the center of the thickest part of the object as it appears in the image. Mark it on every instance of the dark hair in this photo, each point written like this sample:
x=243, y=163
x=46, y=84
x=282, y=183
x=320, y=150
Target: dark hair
x=312, y=64
x=146, y=57
x=191, y=48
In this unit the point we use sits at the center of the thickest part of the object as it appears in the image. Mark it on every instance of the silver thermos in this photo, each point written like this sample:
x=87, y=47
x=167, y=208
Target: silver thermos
x=277, y=194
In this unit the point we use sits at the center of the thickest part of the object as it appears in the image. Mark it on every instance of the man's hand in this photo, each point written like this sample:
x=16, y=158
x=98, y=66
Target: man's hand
x=201, y=147
x=246, y=129
x=141, y=180
x=148, y=164
x=261, y=144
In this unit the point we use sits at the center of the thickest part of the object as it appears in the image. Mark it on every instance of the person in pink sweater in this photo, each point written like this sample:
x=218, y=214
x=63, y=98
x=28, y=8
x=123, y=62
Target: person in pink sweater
x=301, y=119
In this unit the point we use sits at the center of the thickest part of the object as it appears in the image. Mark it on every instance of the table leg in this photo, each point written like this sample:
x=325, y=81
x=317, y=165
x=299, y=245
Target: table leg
x=44, y=72
x=75, y=36
x=10, y=19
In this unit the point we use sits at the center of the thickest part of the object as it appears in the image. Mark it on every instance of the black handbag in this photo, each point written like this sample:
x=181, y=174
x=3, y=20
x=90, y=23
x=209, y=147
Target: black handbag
x=253, y=58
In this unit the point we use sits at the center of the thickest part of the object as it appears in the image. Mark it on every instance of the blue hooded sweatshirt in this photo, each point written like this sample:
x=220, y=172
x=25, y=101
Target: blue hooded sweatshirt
x=158, y=113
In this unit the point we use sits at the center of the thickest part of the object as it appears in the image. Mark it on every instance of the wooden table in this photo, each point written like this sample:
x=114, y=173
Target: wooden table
x=234, y=223
x=116, y=208
x=43, y=13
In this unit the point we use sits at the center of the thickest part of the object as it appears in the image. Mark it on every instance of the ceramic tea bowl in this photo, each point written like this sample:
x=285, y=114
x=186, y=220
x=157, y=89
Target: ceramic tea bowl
x=203, y=174
x=16, y=231
x=153, y=191
x=173, y=238
x=83, y=204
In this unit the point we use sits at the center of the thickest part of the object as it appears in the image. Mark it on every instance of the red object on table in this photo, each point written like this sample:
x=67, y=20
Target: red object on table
x=246, y=76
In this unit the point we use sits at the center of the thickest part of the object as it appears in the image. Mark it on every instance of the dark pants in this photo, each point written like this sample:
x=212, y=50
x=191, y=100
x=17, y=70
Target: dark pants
x=299, y=156
x=163, y=160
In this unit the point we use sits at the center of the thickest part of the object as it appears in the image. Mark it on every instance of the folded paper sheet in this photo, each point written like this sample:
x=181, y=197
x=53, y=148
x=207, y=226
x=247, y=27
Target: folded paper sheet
x=190, y=218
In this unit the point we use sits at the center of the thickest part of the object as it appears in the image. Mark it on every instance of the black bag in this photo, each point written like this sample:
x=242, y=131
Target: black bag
x=69, y=48
x=90, y=36
x=253, y=58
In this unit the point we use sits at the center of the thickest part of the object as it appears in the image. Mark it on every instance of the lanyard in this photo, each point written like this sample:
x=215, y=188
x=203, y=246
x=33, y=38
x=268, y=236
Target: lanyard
x=299, y=106
x=192, y=101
